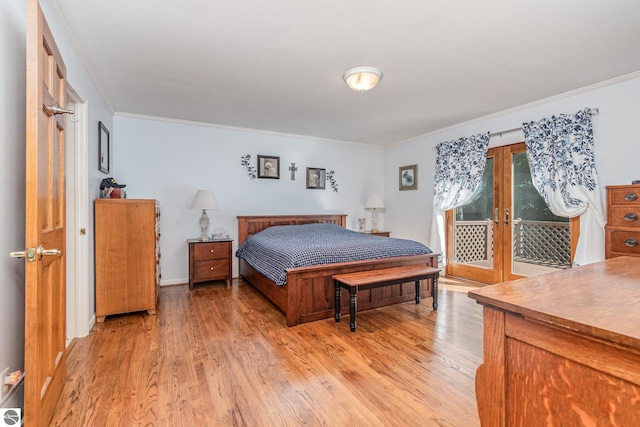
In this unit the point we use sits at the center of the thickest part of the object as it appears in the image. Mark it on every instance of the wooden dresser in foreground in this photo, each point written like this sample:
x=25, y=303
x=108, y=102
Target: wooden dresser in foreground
x=127, y=256
x=623, y=225
x=562, y=348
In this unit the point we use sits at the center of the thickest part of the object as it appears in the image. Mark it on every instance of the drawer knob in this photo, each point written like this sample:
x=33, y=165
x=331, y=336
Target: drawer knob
x=211, y=251
x=211, y=268
x=631, y=242
x=631, y=197
x=630, y=217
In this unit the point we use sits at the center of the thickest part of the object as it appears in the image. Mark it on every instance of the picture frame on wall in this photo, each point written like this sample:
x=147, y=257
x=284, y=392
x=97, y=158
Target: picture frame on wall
x=268, y=167
x=408, y=177
x=316, y=178
x=104, y=148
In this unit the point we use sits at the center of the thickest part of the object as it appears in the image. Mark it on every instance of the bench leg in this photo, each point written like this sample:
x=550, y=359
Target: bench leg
x=337, y=300
x=435, y=292
x=353, y=302
x=417, y=291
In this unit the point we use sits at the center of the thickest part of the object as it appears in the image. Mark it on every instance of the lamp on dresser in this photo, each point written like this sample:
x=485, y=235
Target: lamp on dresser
x=374, y=202
x=204, y=200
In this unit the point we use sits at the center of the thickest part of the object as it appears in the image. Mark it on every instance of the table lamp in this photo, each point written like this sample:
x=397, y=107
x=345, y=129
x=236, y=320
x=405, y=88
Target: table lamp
x=374, y=202
x=204, y=200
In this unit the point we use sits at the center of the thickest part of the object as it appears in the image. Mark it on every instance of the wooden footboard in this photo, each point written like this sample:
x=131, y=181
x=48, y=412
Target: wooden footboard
x=309, y=293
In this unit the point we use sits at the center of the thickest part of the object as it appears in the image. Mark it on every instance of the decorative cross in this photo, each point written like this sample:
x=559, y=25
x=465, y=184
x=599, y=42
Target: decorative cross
x=293, y=170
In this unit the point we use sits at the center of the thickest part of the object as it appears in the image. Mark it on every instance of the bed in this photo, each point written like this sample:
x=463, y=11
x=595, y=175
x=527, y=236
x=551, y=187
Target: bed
x=309, y=292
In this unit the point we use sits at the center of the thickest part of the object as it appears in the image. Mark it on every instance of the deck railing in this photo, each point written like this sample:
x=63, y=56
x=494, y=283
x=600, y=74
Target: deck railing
x=544, y=243
x=474, y=241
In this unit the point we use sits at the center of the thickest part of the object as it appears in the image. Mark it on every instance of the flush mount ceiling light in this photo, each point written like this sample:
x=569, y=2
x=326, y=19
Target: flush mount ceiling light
x=362, y=78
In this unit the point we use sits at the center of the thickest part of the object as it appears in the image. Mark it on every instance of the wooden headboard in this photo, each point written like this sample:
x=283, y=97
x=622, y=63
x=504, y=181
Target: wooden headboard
x=248, y=225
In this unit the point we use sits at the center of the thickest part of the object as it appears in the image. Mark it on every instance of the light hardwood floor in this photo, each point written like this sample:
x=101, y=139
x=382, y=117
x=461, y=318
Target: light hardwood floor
x=223, y=356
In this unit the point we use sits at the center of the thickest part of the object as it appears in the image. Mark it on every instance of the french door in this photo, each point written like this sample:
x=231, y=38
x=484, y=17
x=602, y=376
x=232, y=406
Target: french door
x=507, y=231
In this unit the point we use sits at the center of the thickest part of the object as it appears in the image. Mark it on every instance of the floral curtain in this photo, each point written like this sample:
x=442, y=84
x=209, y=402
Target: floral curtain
x=459, y=168
x=563, y=170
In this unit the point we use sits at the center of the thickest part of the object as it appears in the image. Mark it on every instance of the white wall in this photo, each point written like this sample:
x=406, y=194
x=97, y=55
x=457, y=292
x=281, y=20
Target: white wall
x=617, y=148
x=170, y=160
x=12, y=175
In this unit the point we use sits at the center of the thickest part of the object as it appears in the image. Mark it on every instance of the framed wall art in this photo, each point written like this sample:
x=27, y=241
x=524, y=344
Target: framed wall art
x=408, y=177
x=316, y=178
x=104, y=148
x=268, y=167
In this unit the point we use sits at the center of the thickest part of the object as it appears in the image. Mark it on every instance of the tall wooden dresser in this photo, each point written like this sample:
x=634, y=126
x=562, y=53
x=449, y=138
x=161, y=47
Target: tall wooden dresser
x=623, y=225
x=127, y=251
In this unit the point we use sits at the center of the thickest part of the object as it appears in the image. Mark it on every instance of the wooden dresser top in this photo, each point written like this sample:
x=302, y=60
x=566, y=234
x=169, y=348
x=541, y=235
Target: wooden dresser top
x=601, y=300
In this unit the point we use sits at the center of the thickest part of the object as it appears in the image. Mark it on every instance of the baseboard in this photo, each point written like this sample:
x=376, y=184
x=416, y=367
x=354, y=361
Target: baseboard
x=174, y=282
x=92, y=322
x=177, y=282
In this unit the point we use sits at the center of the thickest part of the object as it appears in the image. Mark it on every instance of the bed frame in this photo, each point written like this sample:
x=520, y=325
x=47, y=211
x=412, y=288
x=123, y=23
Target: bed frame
x=310, y=293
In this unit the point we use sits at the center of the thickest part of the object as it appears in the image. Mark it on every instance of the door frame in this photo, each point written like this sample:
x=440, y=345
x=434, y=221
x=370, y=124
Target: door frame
x=79, y=313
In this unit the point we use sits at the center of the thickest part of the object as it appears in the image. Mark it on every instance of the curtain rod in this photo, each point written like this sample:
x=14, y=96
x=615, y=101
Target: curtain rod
x=593, y=112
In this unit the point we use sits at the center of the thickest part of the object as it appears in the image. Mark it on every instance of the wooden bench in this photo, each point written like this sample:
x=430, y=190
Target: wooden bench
x=377, y=278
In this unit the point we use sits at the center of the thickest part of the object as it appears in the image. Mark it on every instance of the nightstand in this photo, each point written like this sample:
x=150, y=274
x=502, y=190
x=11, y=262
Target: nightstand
x=379, y=233
x=209, y=261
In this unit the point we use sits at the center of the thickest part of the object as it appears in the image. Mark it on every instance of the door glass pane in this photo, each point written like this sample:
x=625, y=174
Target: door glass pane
x=473, y=225
x=541, y=240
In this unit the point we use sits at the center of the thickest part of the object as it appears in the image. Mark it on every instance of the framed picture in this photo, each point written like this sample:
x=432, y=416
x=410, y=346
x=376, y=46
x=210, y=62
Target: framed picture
x=316, y=178
x=409, y=177
x=104, y=148
x=268, y=167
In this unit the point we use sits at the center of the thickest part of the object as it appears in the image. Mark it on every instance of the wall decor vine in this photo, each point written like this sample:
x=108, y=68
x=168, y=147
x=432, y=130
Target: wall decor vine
x=246, y=162
x=332, y=181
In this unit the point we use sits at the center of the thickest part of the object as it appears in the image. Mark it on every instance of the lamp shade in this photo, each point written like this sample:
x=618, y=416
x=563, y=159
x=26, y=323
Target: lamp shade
x=362, y=78
x=204, y=200
x=374, y=202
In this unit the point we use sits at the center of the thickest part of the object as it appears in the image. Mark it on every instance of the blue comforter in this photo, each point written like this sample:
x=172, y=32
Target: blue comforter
x=278, y=248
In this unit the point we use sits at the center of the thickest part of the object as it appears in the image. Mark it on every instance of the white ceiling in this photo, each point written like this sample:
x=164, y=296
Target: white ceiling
x=277, y=65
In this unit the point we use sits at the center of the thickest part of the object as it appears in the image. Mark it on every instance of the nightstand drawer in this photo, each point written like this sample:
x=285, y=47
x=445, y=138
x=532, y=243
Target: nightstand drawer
x=211, y=269
x=381, y=233
x=377, y=233
x=216, y=250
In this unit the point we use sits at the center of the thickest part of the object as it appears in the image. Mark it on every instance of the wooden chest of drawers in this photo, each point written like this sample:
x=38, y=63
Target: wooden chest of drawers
x=623, y=222
x=127, y=263
x=209, y=261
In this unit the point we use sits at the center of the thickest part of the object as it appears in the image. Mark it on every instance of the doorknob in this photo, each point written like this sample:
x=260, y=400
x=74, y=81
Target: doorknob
x=29, y=254
x=44, y=252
